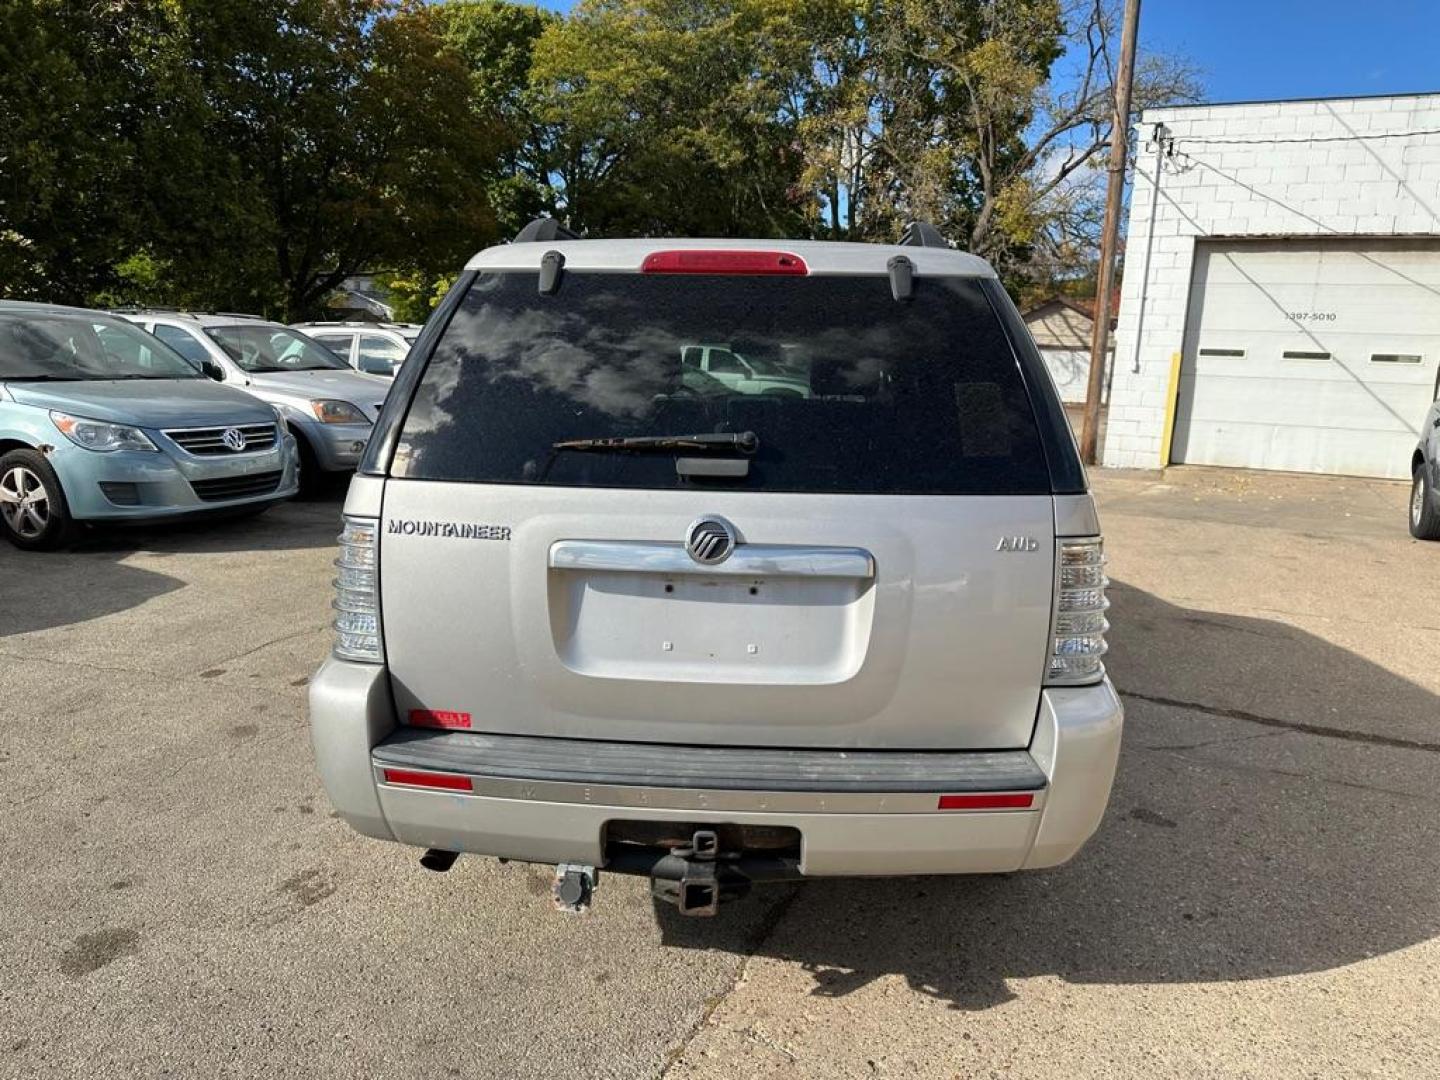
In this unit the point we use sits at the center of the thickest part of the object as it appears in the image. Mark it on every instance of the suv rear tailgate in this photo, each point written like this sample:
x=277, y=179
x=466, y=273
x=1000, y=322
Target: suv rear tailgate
x=941, y=644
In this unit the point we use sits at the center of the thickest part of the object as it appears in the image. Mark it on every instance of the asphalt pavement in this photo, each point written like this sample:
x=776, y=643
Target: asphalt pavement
x=1262, y=900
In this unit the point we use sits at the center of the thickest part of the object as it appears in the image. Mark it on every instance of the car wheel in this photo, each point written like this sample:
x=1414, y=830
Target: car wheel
x=33, y=513
x=1424, y=507
x=312, y=477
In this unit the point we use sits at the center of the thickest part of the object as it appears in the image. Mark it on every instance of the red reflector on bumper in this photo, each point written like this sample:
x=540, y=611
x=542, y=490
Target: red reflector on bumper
x=1017, y=800
x=416, y=778
x=440, y=718
x=700, y=261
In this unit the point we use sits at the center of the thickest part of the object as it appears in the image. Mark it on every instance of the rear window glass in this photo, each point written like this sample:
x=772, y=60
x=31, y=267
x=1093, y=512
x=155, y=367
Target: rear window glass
x=845, y=389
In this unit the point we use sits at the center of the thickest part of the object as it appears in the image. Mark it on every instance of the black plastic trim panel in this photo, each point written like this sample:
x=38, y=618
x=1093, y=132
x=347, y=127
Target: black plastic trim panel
x=1067, y=472
x=585, y=761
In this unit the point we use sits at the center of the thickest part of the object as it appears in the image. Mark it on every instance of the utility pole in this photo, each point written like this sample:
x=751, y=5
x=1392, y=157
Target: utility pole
x=1114, y=194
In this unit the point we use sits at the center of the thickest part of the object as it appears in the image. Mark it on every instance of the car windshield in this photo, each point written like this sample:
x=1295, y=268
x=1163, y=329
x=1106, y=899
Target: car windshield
x=844, y=389
x=762, y=357
x=265, y=347
x=59, y=346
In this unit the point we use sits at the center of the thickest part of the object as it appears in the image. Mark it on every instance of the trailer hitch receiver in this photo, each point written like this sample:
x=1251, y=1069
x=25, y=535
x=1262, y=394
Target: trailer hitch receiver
x=698, y=877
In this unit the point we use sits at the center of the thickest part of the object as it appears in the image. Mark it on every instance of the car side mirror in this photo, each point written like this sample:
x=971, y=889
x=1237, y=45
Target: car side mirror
x=212, y=370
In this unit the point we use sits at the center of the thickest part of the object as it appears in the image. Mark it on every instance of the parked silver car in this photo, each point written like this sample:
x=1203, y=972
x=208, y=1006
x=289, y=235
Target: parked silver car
x=99, y=422
x=329, y=408
x=590, y=616
x=374, y=348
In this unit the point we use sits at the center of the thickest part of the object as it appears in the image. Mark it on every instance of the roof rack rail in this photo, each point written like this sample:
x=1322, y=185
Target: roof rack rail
x=237, y=315
x=922, y=234
x=543, y=230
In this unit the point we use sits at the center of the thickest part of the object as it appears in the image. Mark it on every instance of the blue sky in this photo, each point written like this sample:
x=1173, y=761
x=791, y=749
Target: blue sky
x=1284, y=48
x=1281, y=49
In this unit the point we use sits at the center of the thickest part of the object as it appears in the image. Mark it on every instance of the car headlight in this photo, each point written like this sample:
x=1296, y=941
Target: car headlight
x=279, y=411
x=331, y=411
x=100, y=436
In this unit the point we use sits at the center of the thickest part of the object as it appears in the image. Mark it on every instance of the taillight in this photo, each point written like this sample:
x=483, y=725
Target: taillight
x=709, y=261
x=1077, y=638
x=440, y=718
x=357, y=594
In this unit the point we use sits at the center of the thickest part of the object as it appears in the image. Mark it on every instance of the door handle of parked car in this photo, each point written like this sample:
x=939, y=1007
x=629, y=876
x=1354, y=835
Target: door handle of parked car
x=749, y=560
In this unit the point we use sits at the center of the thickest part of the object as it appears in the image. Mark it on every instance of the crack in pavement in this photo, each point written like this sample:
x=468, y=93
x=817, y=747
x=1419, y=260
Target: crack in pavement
x=1370, y=738
x=314, y=629
x=763, y=931
x=88, y=666
x=1225, y=740
x=1293, y=774
x=178, y=679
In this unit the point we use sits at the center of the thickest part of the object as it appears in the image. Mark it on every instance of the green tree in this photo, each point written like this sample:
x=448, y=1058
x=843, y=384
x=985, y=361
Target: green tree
x=414, y=294
x=251, y=156
x=248, y=156
x=73, y=112
x=340, y=137
x=496, y=41
x=1020, y=138
x=669, y=119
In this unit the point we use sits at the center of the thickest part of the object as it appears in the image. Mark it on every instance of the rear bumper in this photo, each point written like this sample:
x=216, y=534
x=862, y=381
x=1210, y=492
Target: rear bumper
x=848, y=827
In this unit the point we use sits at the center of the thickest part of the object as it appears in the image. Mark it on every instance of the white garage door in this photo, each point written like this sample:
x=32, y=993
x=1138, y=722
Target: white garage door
x=1309, y=355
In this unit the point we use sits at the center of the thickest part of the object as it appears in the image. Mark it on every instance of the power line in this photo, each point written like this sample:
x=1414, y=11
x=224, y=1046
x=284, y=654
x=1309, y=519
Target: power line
x=1315, y=139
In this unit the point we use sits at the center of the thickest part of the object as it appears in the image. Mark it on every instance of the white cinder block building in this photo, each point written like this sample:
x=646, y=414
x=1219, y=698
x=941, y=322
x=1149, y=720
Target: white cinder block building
x=1290, y=257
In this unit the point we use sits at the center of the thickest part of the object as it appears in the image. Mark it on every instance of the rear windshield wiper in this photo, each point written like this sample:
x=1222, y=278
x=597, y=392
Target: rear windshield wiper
x=747, y=442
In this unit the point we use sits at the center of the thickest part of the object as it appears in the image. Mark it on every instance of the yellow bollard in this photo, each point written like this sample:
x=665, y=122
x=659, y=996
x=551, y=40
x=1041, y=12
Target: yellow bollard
x=1172, y=401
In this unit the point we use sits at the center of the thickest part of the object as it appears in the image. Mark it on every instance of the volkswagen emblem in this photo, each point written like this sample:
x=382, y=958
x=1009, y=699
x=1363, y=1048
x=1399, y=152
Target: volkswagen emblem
x=710, y=540
x=233, y=438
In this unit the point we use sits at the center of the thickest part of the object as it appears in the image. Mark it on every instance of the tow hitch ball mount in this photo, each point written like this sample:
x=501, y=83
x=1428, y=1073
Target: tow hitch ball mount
x=697, y=878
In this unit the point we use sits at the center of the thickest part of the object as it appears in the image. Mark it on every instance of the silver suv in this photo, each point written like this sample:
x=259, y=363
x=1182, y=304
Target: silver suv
x=592, y=616
x=329, y=408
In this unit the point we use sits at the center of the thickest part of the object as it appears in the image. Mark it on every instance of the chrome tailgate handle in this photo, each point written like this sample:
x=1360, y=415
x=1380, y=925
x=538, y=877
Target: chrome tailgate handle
x=748, y=560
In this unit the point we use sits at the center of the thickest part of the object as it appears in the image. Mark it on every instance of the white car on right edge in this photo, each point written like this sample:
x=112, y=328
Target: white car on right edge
x=595, y=614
